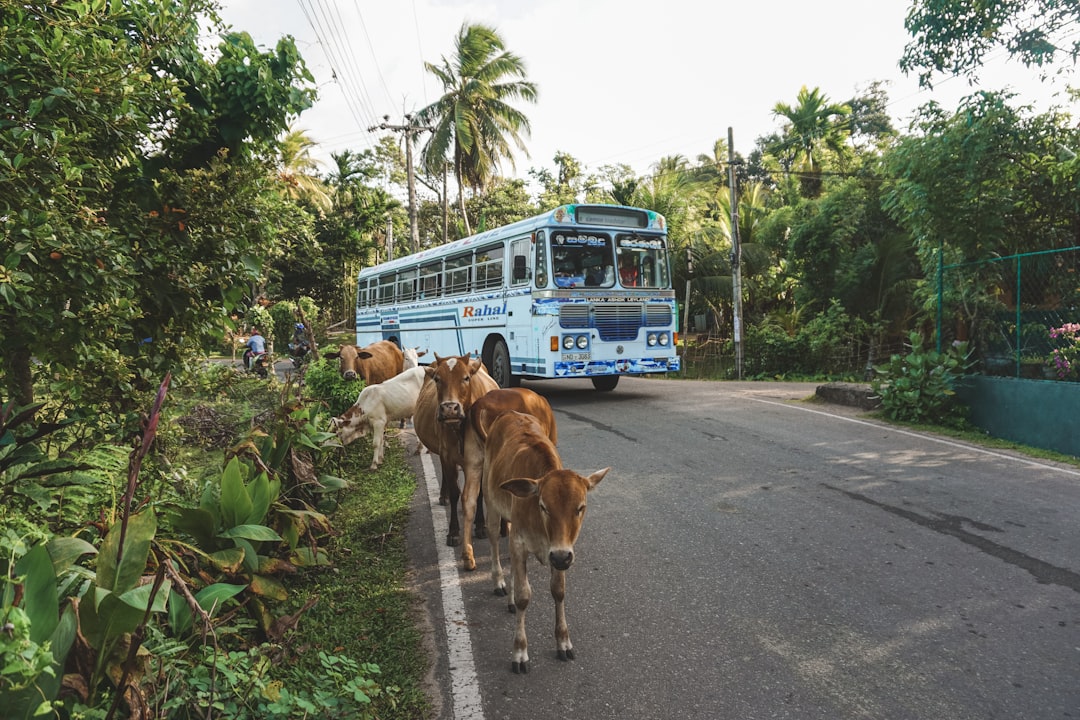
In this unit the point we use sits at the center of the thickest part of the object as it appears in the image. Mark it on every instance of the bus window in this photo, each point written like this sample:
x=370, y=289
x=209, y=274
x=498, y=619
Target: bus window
x=582, y=260
x=643, y=262
x=386, y=289
x=489, y=267
x=457, y=274
x=406, y=285
x=541, y=260
x=519, y=257
x=430, y=281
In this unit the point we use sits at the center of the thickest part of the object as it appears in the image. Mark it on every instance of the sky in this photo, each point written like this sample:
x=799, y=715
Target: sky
x=619, y=81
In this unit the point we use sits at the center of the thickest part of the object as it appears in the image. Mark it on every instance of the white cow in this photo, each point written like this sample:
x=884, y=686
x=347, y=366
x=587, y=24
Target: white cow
x=412, y=357
x=393, y=399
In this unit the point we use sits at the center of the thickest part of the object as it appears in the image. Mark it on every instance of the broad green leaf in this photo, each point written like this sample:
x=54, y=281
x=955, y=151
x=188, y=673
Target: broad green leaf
x=123, y=577
x=256, y=533
x=39, y=588
x=259, y=491
x=140, y=598
x=268, y=587
x=200, y=524
x=64, y=551
x=228, y=561
x=235, y=501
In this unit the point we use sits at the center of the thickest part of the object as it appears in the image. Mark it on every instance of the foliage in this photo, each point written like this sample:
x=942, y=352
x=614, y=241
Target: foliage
x=130, y=233
x=918, y=386
x=1065, y=359
x=473, y=122
x=324, y=382
x=252, y=684
x=815, y=127
x=955, y=36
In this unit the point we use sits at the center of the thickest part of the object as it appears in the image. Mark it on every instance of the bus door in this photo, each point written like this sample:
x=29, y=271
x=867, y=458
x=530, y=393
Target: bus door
x=519, y=306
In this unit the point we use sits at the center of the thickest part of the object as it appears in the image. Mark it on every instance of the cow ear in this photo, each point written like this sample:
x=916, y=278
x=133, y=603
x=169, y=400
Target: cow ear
x=331, y=355
x=521, y=487
x=475, y=365
x=363, y=355
x=420, y=353
x=596, y=477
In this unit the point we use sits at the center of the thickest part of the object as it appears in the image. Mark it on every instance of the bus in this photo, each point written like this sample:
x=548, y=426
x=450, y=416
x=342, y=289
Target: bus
x=582, y=291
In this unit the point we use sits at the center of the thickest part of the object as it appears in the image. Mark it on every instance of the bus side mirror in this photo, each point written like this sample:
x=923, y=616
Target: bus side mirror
x=521, y=272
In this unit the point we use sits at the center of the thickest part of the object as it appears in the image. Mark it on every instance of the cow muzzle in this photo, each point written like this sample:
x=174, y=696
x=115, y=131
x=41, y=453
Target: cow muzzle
x=561, y=559
x=450, y=412
x=349, y=375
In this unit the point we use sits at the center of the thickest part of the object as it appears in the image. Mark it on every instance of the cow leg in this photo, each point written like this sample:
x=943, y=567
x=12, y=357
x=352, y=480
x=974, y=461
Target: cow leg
x=451, y=492
x=522, y=594
x=497, y=577
x=470, y=495
x=562, y=633
x=378, y=442
x=481, y=525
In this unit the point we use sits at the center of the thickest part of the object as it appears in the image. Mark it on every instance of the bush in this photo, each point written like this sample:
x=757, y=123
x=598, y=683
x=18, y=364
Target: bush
x=324, y=382
x=918, y=386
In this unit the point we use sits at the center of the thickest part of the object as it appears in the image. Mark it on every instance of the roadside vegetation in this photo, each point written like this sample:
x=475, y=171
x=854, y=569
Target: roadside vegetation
x=185, y=541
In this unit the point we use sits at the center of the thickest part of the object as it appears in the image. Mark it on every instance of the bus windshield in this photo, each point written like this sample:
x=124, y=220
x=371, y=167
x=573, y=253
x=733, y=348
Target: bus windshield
x=581, y=259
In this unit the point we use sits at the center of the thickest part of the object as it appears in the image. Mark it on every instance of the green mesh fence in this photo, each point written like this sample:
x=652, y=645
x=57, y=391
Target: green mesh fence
x=1017, y=312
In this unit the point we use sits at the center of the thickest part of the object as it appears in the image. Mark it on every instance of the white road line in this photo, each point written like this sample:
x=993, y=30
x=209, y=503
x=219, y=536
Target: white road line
x=931, y=438
x=464, y=686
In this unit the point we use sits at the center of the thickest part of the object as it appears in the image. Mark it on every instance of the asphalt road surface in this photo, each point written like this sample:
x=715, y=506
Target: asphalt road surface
x=754, y=555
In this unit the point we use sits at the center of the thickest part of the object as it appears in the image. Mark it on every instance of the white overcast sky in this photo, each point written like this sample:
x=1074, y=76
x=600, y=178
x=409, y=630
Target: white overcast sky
x=620, y=81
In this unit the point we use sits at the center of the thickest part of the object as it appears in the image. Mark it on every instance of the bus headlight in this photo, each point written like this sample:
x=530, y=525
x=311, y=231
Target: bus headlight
x=651, y=339
x=583, y=342
x=568, y=342
x=663, y=339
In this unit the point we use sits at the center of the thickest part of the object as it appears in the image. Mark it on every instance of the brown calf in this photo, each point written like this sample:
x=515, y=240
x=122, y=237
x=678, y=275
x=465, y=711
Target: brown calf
x=452, y=385
x=374, y=363
x=486, y=411
x=526, y=484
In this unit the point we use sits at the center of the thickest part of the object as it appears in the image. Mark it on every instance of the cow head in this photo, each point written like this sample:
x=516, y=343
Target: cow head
x=453, y=377
x=348, y=357
x=350, y=426
x=561, y=498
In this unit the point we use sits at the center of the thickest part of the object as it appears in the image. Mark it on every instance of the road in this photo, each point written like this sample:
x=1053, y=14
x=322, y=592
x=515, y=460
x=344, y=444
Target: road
x=754, y=555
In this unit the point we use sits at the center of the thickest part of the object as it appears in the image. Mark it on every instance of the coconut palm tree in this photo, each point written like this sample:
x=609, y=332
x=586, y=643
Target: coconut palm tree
x=473, y=122
x=815, y=125
x=298, y=170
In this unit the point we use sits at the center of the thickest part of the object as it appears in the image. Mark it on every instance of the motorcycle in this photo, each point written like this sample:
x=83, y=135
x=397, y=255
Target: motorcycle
x=299, y=348
x=257, y=363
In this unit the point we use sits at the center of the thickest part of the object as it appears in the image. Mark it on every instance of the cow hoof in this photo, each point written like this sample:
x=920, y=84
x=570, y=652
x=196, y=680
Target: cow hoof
x=565, y=655
x=501, y=592
x=481, y=533
x=519, y=668
x=468, y=563
x=511, y=608
x=443, y=500
x=453, y=540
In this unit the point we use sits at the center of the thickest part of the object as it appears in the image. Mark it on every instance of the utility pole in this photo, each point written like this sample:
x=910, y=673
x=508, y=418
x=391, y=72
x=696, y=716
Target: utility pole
x=736, y=260
x=410, y=130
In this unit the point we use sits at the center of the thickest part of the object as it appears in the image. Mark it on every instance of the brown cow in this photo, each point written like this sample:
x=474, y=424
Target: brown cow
x=374, y=363
x=486, y=411
x=526, y=484
x=452, y=385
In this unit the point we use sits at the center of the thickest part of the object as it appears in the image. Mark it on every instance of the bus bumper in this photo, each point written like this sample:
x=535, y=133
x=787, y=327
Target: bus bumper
x=627, y=366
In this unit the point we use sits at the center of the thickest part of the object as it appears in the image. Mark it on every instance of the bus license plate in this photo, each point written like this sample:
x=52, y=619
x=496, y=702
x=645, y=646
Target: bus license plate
x=570, y=357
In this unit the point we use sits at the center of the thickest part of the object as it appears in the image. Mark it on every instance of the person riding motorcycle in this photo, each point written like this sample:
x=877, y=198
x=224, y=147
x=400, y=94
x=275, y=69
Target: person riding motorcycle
x=255, y=348
x=299, y=347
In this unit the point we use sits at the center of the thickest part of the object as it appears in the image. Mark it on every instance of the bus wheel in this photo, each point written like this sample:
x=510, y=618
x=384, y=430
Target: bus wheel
x=605, y=383
x=500, y=366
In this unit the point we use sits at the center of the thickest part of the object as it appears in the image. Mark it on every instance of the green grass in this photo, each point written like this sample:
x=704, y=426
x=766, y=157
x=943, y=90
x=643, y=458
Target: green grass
x=365, y=610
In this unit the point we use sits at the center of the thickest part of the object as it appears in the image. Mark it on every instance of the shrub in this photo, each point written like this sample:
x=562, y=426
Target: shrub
x=324, y=382
x=918, y=386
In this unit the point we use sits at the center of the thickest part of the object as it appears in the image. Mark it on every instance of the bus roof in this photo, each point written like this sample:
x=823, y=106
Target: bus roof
x=577, y=215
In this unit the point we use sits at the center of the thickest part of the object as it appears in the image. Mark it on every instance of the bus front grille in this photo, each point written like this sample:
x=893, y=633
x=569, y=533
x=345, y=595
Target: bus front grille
x=613, y=321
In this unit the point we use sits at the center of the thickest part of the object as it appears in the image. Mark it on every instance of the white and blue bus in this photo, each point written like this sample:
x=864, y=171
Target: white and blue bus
x=580, y=291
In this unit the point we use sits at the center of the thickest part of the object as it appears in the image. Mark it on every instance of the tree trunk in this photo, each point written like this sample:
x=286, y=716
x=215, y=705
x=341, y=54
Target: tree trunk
x=461, y=200
x=20, y=378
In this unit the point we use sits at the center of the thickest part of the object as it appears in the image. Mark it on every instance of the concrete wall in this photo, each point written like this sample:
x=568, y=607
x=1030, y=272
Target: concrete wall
x=1040, y=413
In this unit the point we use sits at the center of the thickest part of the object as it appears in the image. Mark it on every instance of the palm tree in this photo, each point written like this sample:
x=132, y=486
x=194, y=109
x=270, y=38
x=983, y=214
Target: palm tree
x=298, y=169
x=473, y=122
x=814, y=126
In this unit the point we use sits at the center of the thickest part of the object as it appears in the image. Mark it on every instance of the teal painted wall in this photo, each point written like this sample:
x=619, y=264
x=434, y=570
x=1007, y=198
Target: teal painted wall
x=1041, y=413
